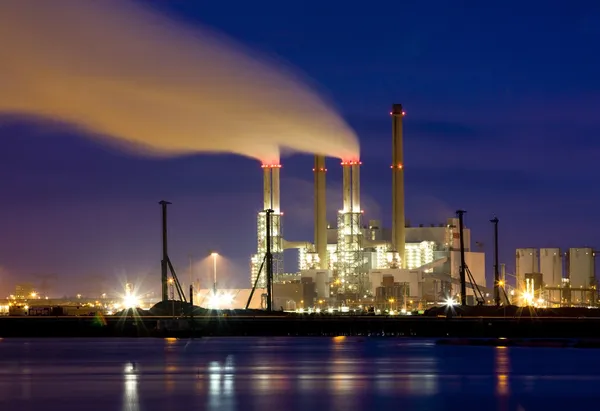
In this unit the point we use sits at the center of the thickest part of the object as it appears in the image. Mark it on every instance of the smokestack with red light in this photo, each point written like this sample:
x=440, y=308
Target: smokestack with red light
x=321, y=211
x=275, y=188
x=355, y=186
x=267, y=193
x=347, y=186
x=271, y=190
x=398, y=230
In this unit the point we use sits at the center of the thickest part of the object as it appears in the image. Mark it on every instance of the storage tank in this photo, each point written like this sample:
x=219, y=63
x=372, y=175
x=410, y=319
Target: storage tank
x=581, y=267
x=551, y=266
x=527, y=261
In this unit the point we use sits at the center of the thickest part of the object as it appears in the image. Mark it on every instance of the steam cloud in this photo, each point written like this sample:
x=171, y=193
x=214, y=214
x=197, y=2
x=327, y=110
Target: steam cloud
x=115, y=68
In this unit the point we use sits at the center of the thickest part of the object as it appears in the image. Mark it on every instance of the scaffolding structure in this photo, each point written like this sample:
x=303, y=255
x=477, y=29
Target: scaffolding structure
x=351, y=273
x=276, y=248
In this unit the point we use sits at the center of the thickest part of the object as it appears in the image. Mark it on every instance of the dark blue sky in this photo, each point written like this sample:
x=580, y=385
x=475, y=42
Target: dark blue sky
x=502, y=106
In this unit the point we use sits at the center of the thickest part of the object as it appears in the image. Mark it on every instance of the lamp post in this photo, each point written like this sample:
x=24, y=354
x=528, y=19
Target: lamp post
x=214, y=256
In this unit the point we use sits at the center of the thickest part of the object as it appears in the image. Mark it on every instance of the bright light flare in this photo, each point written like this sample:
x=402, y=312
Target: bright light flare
x=527, y=298
x=220, y=301
x=130, y=301
x=450, y=302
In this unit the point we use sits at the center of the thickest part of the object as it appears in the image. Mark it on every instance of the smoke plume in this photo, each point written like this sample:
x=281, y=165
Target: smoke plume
x=117, y=69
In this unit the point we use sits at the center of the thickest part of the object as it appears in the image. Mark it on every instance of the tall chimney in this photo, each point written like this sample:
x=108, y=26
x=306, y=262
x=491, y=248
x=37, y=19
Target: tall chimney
x=398, y=231
x=275, y=188
x=347, y=186
x=356, y=187
x=321, y=212
x=267, y=200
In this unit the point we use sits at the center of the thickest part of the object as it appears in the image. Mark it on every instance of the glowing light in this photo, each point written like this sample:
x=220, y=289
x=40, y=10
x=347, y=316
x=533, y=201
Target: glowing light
x=220, y=301
x=130, y=301
x=450, y=302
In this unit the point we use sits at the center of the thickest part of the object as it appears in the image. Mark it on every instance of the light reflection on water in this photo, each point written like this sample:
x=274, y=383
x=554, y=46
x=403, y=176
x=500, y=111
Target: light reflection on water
x=131, y=400
x=288, y=373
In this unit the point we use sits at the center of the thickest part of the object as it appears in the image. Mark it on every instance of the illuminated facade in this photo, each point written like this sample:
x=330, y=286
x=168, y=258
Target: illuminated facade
x=419, y=254
x=415, y=255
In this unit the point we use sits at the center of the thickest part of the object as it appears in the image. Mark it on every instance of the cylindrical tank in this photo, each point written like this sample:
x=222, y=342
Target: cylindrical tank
x=527, y=261
x=581, y=267
x=551, y=266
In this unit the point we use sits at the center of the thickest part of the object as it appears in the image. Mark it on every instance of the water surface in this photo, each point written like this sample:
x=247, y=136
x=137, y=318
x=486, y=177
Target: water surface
x=308, y=374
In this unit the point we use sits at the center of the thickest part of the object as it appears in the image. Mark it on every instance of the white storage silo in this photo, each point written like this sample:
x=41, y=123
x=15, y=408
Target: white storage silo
x=551, y=266
x=581, y=267
x=527, y=261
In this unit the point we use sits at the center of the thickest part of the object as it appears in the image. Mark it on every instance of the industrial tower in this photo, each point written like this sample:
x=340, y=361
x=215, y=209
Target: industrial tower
x=398, y=223
x=271, y=201
x=351, y=275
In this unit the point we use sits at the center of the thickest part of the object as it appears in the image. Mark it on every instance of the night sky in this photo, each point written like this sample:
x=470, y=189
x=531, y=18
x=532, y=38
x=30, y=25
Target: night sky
x=502, y=104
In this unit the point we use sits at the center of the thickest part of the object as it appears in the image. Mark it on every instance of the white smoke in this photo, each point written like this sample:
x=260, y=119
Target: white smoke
x=117, y=69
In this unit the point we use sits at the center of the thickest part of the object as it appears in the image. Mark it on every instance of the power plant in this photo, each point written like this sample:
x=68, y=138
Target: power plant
x=355, y=263
x=553, y=278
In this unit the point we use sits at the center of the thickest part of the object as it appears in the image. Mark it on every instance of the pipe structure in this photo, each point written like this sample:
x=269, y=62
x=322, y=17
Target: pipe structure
x=165, y=254
x=275, y=188
x=496, y=272
x=463, y=266
x=347, y=186
x=321, y=211
x=267, y=193
x=398, y=223
x=356, y=186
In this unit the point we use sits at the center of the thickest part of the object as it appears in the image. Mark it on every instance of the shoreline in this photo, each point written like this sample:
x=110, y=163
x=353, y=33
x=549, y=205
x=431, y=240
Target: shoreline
x=456, y=329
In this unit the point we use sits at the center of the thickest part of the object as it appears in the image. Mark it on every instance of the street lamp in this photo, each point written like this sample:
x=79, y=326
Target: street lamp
x=214, y=256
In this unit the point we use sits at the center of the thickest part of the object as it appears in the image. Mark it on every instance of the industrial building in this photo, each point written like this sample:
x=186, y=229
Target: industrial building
x=351, y=263
x=557, y=278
